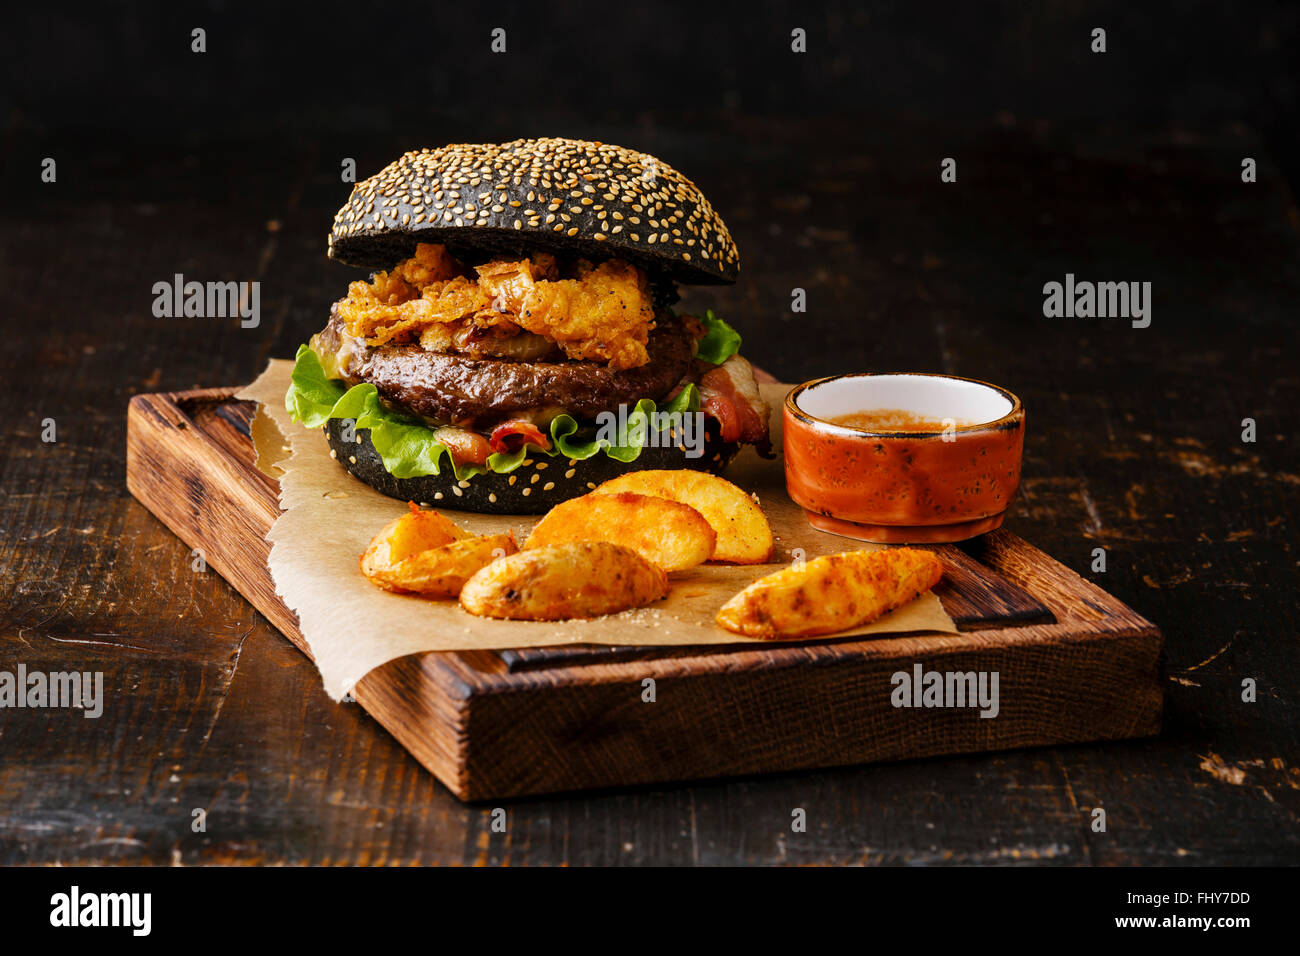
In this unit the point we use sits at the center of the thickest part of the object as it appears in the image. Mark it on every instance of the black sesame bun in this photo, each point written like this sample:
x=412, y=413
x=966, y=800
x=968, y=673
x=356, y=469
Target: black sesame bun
x=532, y=488
x=564, y=196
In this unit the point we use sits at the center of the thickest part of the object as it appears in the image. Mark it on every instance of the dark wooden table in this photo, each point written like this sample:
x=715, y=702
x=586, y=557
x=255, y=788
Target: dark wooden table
x=1134, y=445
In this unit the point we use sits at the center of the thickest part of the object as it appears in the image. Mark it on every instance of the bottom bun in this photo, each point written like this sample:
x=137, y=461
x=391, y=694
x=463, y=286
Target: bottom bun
x=531, y=488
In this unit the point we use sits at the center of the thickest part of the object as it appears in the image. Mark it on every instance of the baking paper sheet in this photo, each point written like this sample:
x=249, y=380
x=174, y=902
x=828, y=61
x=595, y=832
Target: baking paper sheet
x=352, y=626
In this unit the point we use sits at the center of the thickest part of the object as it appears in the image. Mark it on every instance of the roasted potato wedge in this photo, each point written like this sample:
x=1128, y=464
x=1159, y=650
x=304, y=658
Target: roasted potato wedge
x=743, y=534
x=563, y=581
x=424, y=552
x=831, y=593
x=411, y=533
x=672, y=535
x=441, y=572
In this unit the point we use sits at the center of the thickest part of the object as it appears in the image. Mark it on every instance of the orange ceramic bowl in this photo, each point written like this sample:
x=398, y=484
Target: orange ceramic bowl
x=895, y=486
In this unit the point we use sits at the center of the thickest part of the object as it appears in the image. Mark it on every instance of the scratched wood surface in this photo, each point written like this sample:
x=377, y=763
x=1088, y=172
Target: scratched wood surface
x=1133, y=446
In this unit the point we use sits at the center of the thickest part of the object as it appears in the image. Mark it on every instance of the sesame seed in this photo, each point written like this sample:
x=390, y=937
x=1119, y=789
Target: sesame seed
x=456, y=491
x=570, y=473
x=437, y=496
x=430, y=192
x=548, y=486
x=527, y=492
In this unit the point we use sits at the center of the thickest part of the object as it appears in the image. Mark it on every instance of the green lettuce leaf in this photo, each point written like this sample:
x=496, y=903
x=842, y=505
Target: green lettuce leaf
x=409, y=448
x=311, y=395
x=720, y=340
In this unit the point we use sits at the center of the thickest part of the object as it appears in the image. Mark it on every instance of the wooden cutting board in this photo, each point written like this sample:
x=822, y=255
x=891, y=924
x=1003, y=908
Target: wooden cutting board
x=1073, y=663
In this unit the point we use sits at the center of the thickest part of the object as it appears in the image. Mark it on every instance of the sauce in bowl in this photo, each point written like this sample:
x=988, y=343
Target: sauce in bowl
x=905, y=457
x=895, y=420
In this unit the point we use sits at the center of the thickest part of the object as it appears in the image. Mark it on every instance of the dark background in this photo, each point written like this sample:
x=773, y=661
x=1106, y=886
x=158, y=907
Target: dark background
x=258, y=125
x=383, y=69
x=225, y=165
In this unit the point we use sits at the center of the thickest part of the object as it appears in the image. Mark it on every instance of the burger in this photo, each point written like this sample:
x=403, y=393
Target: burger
x=516, y=343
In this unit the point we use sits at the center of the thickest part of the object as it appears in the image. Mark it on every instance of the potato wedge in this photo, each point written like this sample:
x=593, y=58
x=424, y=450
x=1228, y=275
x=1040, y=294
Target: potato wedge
x=563, y=581
x=672, y=535
x=743, y=534
x=831, y=593
x=426, y=553
x=441, y=572
x=411, y=533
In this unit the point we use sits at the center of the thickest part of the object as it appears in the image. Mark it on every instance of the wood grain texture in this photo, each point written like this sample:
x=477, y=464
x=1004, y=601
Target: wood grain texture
x=578, y=720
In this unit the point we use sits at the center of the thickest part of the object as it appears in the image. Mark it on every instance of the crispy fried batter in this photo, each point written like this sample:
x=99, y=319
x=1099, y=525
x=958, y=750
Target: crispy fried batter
x=603, y=313
x=431, y=263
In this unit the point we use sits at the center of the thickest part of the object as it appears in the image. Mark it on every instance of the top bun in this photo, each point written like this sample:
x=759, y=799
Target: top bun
x=565, y=196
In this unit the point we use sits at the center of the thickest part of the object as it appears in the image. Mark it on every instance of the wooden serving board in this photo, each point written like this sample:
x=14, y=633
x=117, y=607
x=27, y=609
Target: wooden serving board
x=1074, y=663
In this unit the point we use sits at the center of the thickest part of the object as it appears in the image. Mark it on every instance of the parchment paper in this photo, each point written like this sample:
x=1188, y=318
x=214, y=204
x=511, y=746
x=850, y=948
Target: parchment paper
x=352, y=626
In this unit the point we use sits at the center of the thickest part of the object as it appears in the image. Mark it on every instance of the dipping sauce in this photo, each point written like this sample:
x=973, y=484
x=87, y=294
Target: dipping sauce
x=867, y=456
x=895, y=420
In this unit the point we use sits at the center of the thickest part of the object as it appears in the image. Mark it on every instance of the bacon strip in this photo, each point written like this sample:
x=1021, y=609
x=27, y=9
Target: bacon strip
x=466, y=447
x=530, y=433
x=730, y=394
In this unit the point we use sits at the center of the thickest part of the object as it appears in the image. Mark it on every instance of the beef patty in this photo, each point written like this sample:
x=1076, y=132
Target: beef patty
x=448, y=388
